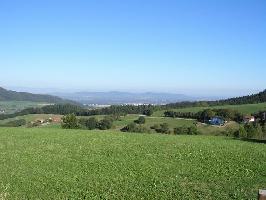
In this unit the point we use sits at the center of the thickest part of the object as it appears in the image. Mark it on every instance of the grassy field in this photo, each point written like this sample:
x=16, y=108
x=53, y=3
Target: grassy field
x=150, y=121
x=245, y=109
x=15, y=106
x=75, y=164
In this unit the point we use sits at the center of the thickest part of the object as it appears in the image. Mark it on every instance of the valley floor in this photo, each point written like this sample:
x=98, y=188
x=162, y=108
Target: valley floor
x=52, y=163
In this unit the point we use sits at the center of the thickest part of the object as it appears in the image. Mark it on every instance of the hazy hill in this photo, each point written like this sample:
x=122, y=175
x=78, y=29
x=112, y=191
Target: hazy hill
x=249, y=99
x=8, y=95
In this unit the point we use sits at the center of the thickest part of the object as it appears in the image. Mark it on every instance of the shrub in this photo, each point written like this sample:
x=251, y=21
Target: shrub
x=191, y=130
x=259, y=131
x=70, y=122
x=164, y=128
x=140, y=120
x=180, y=130
x=240, y=133
x=134, y=128
x=251, y=131
x=229, y=132
x=155, y=126
x=148, y=112
x=105, y=124
x=89, y=124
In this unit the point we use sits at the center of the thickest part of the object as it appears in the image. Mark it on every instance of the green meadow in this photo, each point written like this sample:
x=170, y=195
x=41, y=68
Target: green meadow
x=245, y=109
x=15, y=106
x=77, y=164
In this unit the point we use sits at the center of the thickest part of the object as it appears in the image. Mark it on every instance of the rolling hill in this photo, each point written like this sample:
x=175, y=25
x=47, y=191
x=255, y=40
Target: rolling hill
x=8, y=95
x=249, y=99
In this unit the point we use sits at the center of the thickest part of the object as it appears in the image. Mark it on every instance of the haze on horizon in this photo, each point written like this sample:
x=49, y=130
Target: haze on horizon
x=190, y=47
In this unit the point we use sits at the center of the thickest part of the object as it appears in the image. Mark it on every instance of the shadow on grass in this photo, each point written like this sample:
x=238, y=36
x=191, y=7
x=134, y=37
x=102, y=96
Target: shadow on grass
x=252, y=140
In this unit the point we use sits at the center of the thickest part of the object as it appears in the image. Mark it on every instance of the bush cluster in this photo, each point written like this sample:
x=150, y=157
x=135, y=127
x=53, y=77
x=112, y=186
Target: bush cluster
x=162, y=128
x=207, y=114
x=184, y=130
x=135, y=128
x=251, y=131
x=72, y=122
x=140, y=120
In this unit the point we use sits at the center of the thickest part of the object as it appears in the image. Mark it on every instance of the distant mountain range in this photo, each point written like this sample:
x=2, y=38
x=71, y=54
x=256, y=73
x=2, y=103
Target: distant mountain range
x=116, y=98
x=9, y=95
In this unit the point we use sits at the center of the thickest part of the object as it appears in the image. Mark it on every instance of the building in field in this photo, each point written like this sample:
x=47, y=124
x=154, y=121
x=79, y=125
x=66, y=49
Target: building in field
x=248, y=119
x=217, y=121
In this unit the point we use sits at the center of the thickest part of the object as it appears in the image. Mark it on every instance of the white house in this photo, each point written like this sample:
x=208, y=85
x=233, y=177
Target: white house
x=248, y=119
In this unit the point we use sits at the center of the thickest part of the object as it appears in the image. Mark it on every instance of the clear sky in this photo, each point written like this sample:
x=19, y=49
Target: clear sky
x=189, y=46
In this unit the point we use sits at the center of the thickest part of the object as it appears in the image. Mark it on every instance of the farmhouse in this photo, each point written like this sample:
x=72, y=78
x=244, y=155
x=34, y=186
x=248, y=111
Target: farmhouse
x=248, y=119
x=218, y=121
x=41, y=121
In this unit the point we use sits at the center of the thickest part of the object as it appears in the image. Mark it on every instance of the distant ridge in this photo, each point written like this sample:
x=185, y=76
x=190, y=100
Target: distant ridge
x=9, y=95
x=249, y=99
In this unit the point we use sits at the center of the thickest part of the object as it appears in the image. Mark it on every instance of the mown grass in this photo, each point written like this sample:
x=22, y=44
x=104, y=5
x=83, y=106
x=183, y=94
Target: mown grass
x=75, y=164
x=245, y=109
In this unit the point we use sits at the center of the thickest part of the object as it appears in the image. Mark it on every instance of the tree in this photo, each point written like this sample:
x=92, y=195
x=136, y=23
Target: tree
x=164, y=128
x=140, y=120
x=105, y=124
x=70, y=121
x=90, y=123
x=206, y=115
x=148, y=112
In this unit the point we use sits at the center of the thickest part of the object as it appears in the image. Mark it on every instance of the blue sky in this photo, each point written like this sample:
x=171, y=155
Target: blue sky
x=195, y=47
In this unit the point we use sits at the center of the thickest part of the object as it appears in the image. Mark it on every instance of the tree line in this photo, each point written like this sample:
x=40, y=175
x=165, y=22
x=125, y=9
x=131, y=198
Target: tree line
x=207, y=114
x=249, y=99
x=64, y=109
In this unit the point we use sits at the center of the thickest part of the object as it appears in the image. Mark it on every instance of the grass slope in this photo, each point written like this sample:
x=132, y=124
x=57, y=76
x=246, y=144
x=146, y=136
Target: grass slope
x=245, y=109
x=16, y=106
x=75, y=164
